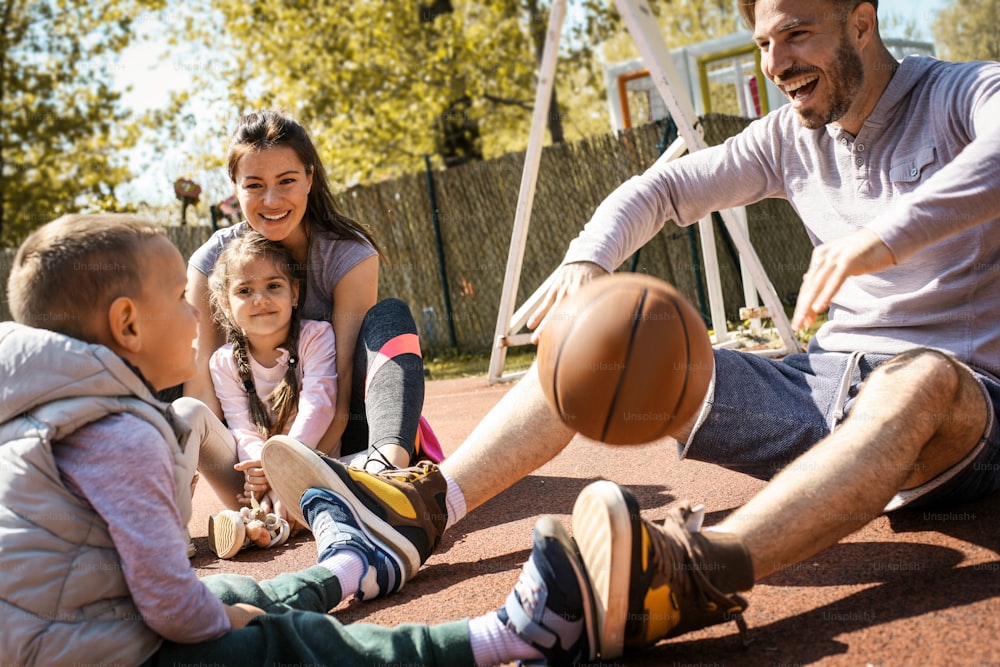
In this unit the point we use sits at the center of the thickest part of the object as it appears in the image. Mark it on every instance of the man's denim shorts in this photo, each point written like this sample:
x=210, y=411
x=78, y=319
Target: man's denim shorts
x=761, y=414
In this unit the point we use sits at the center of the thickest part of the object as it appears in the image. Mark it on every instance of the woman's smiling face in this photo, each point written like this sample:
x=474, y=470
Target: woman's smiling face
x=273, y=186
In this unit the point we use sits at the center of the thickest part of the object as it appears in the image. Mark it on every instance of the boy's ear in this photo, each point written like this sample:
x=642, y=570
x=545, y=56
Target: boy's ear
x=123, y=321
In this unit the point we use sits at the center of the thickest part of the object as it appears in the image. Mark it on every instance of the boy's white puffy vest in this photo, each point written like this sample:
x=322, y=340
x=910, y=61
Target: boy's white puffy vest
x=63, y=597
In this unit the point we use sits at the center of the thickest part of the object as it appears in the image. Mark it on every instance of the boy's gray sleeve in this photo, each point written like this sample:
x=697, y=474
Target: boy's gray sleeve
x=123, y=468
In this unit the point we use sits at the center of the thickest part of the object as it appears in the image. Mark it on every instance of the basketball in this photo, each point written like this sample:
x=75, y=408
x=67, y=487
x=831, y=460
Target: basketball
x=625, y=359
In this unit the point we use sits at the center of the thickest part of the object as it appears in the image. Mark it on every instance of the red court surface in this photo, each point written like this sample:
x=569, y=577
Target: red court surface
x=915, y=588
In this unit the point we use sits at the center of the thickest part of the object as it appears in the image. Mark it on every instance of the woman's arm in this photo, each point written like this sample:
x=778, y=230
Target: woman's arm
x=210, y=337
x=353, y=296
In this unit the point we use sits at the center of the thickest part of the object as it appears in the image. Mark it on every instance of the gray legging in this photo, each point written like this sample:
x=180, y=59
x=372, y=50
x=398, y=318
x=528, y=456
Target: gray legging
x=389, y=412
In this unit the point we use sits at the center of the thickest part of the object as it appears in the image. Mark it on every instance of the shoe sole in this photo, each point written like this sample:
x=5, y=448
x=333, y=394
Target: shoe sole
x=602, y=528
x=548, y=528
x=292, y=468
x=225, y=535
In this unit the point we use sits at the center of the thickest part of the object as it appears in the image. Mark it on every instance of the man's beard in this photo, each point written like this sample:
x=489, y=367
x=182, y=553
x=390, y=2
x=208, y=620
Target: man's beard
x=845, y=80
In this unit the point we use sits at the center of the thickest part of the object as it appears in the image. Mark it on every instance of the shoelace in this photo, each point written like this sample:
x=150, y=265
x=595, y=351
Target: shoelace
x=672, y=545
x=378, y=457
x=411, y=474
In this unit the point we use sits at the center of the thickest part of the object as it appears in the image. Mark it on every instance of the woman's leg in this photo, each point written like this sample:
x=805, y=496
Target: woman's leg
x=387, y=396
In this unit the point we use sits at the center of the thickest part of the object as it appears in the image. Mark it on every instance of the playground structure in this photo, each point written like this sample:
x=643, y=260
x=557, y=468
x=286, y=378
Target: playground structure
x=681, y=84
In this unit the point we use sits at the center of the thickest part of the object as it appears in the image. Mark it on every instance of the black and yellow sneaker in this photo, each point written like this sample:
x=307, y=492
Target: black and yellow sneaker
x=655, y=581
x=404, y=507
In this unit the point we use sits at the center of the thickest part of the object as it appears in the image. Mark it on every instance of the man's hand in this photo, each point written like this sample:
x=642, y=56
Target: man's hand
x=568, y=279
x=856, y=254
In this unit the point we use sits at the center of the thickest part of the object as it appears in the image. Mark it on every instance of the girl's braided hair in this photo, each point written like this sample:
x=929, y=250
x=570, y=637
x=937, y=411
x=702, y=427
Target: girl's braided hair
x=241, y=250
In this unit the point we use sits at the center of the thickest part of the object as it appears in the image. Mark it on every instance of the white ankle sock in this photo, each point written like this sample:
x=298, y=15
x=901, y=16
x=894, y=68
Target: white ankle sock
x=455, y=501
x=349, y=567
x=493, y=643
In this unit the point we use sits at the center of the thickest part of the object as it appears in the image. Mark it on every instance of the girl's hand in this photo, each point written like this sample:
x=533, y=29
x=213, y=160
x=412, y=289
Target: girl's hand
x=254, y=480
x=271, y=504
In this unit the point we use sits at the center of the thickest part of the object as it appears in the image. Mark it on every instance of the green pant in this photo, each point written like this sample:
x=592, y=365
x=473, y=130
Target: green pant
x=296, y=630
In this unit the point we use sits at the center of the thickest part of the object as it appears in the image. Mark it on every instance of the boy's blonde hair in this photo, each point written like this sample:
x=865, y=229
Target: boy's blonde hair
x=71, y=270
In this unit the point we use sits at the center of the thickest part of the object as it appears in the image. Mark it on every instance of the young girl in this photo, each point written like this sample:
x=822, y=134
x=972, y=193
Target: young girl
x=284, y=194
x=276, y=374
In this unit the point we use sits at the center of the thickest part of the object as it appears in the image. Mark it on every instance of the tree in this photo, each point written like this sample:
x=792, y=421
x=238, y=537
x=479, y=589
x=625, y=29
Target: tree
x=381, y=84
x=969, y=30
x=63, y=128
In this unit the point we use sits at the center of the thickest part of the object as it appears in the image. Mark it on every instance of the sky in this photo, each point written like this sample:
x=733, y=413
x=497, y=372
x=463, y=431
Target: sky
x=152, y=74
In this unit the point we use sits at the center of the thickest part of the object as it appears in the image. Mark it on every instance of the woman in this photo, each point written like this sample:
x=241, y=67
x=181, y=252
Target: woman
x=284, y=194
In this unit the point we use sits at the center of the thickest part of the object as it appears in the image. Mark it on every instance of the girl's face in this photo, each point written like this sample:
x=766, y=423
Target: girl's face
x=273, y=188
x=261, y=298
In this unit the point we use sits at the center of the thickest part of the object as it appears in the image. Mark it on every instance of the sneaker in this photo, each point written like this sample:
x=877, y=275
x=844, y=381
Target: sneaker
x=655, y=581
x=230, y=532
x=405, y=508
x=552, y=607
x=336, y=525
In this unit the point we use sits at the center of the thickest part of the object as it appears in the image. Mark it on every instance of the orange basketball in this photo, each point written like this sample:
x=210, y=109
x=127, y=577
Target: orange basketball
x=625, y=360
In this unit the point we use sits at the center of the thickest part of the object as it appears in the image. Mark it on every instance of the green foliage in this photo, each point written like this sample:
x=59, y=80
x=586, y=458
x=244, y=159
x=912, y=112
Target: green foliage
x=683, y=22
x=376, y=82
x=969, y=30
x=63, y=129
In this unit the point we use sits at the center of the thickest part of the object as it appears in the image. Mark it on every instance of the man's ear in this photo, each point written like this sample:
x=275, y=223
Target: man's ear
x=123, y=322
x=863, y=23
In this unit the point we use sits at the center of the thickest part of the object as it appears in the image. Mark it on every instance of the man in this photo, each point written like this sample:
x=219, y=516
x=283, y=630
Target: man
x=895, y=170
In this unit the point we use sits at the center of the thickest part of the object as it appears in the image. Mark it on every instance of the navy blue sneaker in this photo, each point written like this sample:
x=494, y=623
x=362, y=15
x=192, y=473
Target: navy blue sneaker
x=405, y=508
x=551, y=606
x=335, y=524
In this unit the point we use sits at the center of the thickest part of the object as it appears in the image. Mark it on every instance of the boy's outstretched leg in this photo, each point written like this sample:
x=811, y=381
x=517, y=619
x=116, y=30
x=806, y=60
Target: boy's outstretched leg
x=349, y=549
x=551, y=607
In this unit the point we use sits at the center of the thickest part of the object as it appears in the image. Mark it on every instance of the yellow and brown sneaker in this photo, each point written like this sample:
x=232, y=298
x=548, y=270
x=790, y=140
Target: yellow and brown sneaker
x=404, y=507
x=655, y=581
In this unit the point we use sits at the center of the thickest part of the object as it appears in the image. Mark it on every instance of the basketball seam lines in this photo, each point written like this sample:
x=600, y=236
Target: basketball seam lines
x=687, y=355
x=637, y=319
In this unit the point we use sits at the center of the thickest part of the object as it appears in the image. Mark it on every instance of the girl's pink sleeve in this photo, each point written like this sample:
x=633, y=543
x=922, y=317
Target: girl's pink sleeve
x=235, y=406
x=318, y=391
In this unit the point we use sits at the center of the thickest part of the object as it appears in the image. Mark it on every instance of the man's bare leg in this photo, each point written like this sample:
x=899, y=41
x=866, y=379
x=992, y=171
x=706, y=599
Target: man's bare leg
x=519, y=435
x=918, y=415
